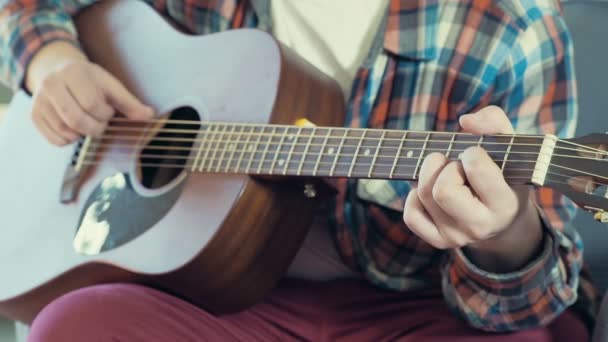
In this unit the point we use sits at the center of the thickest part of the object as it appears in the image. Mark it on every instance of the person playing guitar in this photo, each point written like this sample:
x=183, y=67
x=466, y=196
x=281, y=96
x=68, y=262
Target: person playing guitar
x=459, y=254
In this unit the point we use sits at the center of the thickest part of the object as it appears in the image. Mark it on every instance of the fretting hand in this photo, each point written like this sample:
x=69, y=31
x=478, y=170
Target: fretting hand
x=468, y=203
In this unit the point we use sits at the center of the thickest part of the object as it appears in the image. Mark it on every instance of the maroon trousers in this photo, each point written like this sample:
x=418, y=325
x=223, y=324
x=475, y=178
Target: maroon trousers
x=347, y=310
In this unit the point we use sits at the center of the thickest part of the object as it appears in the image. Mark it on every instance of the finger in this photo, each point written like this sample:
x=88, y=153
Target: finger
x=457, y=200
x=486, y=179
x=430, y=170
x=38, y=108
x=125, y=102
x=431, y=167
x=47, y=132
x=70, y=112
x=489, y=120
x=91, y=100
x=55, y=122
x=421, y=224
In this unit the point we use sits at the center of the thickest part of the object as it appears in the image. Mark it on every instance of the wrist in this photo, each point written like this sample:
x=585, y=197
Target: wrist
x=47, y=59
x=514, y=247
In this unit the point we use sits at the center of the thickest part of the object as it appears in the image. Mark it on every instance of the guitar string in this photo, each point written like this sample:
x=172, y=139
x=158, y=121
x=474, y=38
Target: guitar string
x=363, y=164
x=287, y=127
x=261, y=162
x=279, y=150
x=398, y=176
x=369, y=139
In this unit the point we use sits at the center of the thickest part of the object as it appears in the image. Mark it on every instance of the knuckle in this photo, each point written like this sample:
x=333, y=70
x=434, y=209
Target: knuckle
x=480, y=234
x=441, y=193
x=51, y=81
x=91, y=105
x=425, y=192
x=75, y=122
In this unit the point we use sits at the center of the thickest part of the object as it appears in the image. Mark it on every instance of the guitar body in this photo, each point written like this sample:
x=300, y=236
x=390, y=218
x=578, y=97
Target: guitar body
x=219, y=241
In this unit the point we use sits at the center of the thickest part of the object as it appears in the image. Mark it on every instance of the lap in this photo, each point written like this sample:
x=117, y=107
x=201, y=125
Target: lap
x=295, y=310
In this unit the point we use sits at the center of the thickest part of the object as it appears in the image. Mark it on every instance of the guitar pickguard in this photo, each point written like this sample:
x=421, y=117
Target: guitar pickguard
x=115, y=214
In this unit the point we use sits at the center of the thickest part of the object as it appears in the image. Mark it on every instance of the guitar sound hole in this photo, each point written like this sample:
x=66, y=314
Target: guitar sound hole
x=166, y=155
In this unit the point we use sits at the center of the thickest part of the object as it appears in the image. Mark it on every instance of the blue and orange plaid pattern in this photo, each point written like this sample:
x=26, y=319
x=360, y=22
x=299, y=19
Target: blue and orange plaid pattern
x=440, y=59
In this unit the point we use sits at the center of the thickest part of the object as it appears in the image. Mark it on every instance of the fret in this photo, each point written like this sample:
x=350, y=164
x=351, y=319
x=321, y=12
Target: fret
x=398, y=155
x=352, y=165
x=218, y=138
x=321, y=152
x=504, y=161
x=277, y=151
x=234, y=147
x=371, y=167
x=243, y=149
x=480, y=141
x=262, y=160
x=254, y=150
x=333, y=166
x=421, y=156
x=200, y=149
x=227, y=146
x=447, y=154
x=293, y=146
x=312, y=134
x=208, y=150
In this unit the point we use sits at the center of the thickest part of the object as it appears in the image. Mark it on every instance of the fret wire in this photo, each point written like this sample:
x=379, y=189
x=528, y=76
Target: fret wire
x=333, y=167
x=398, y=154
x=226, y=147
x=200, y=149
x=314, y=173
x=480, y=141
x=243, y=150
x=371, y=167
x=352, y=165
x=421, y=156
x=217, y=147
x=236, y=146
x=447, y=155
x=304, y=155
x=293, y=146
x=212, y=130
x=255, y=149
x=504, y=161
x=278, y=150
x=274, y=128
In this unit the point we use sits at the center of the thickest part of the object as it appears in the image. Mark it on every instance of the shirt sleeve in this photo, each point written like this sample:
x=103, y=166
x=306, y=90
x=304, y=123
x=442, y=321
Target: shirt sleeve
x=537, y=90
x=26, y=27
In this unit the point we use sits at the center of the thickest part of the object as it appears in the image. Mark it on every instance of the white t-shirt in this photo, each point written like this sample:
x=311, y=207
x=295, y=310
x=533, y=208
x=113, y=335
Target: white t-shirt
x=335, y=36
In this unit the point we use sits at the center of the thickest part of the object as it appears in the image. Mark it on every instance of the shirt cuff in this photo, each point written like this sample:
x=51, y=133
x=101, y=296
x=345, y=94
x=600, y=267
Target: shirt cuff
x=35, y=32
x=538, y=273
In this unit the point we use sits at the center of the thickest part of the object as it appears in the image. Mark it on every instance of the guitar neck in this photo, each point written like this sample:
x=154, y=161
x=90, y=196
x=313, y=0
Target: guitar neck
x=348, y=152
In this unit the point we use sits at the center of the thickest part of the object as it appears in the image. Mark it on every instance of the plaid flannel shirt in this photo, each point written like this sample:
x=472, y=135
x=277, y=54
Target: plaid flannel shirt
x=436, y=60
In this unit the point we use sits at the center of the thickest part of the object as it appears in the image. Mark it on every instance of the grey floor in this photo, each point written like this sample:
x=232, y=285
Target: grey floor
x=7, y=331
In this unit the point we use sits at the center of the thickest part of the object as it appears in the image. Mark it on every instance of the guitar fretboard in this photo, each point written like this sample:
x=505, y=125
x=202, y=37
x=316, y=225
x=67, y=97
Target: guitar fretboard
x=344, y=152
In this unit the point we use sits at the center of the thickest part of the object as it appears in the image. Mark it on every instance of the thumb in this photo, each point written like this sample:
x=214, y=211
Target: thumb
x=122, y=100
x=489, y=120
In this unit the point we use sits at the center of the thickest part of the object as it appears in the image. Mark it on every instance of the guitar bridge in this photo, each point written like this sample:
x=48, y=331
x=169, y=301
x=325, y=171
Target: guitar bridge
x=72, y=174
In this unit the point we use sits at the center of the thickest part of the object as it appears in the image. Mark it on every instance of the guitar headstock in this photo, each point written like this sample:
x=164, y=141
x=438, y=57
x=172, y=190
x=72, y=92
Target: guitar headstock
x=579, y=170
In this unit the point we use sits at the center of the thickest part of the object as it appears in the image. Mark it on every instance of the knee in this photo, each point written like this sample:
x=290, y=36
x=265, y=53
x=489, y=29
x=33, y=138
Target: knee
x=82, y=314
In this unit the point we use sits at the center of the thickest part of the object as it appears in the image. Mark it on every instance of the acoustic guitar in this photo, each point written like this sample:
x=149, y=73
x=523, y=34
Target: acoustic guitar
x=211, y=200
